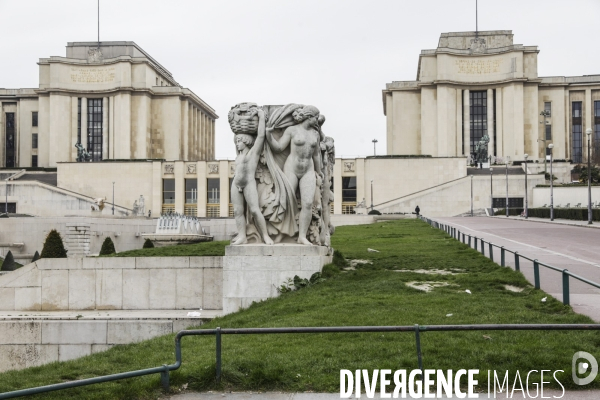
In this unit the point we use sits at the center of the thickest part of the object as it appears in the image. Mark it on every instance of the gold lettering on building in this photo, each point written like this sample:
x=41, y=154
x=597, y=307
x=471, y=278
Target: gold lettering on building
x=478, y=66
x=92, y=75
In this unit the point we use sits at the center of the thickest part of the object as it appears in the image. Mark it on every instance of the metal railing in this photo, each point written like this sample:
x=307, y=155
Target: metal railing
x=479, y=244
x=218, y=332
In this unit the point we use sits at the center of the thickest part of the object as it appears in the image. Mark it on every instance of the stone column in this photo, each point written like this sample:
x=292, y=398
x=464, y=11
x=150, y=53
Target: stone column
x=179, y=186
x=490, y=121
x=105, y=128
x=84, y=132
x=201, y=171
x=467, y=123
x=224, y=187
x=588, y=105
x=337, y=186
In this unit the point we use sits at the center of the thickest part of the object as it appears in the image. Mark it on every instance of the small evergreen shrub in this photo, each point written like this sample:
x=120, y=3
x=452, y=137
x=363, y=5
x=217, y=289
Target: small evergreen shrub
x=339, y=260
x=36, y=256
x=53, y=246
x=330, y=270
x=108, y=247
x=9, y=263
x=148, y=244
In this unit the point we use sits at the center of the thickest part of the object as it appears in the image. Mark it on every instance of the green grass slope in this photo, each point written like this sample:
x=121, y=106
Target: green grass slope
x=373, y=294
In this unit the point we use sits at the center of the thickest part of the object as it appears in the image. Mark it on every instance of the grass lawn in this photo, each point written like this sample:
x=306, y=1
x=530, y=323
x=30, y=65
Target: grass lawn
x=373, y=294
x=197, y=249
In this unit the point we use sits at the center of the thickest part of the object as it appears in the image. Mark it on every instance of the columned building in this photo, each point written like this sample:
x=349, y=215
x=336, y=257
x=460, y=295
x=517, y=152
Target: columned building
x=115, y=100
x=478, y=83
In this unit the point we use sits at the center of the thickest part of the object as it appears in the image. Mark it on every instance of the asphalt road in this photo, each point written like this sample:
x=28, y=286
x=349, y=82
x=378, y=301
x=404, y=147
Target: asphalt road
x=576, y=248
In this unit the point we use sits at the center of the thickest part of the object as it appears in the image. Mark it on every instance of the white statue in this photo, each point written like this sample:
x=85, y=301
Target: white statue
x=281, y=188
x=141, y=207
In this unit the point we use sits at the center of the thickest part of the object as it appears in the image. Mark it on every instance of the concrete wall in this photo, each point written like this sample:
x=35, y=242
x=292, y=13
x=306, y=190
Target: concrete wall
x=39, y=199
x=563, y=195
x=29, y=343
x=397, y=177
x=454, y=198
x=128, y=283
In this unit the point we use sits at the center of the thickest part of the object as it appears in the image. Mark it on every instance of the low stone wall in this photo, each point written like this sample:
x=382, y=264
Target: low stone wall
x=255, y=272
x=28, y=341
x=128, y=283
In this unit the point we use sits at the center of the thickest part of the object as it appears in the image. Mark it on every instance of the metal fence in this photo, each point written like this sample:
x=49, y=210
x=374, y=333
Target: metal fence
x=480, y=244
x=218, y=332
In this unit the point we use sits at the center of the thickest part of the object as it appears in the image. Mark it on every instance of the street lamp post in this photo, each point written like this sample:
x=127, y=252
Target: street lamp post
x=491, y=189
x=526, y=198
x=588, y=132
x=506, y=163
x=6, y=200
x=113, y=202
x=551, y=146
x=374, y=143
x=371, y=194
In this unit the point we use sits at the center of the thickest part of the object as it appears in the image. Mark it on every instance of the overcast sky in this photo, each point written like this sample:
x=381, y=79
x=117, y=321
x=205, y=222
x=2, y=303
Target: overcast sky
x=337, y=55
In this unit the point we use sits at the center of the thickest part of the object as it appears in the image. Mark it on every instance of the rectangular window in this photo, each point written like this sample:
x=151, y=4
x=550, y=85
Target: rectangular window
x=349, y=189
x=34, y=118
x=34, y=161
x=577, y=132
x=79, y=120
x=548, y=132
x=34, y=140
x=213, y=190
x=548, y=108
x=168, y=191
x=596, y=145
x=478, y=117
x=191, y=191
x=10, y=140
x=94, y=128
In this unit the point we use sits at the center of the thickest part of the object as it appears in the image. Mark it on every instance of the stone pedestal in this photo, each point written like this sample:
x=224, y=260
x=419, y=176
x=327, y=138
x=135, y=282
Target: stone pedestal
x=254, y=272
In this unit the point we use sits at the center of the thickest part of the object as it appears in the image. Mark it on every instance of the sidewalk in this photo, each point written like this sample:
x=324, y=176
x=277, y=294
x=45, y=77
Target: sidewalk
x=570, y=395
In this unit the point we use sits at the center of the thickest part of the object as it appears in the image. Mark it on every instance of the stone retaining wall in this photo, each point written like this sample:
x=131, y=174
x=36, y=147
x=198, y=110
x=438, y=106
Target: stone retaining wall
x=114, y=283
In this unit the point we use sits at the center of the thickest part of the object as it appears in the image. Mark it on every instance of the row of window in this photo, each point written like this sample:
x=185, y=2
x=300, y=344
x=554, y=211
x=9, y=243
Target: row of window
x=213, y=191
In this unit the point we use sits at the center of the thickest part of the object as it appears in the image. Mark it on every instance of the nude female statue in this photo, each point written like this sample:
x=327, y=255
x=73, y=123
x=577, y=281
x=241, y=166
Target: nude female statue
x=303, y=161
x=243, y=188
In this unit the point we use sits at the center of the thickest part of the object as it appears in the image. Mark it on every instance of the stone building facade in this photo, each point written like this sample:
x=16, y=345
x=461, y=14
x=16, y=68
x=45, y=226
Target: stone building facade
x=477, y=83
x=114, y=99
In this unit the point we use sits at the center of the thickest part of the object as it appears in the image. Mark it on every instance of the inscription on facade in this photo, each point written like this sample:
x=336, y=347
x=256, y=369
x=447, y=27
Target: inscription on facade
x=478, y=67
x=92, y=75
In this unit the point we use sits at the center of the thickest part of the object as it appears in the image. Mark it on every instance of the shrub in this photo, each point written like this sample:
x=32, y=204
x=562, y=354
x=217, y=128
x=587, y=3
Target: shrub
x=330, y=270
x=53, y=246
x=36, y=256
x=339, y=260
x=9, y=263
x=577, y=214
x=148, y=244
x=108, y=247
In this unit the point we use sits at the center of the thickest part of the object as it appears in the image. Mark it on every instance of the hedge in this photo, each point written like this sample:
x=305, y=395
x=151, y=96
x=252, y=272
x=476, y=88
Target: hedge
x=577, y=214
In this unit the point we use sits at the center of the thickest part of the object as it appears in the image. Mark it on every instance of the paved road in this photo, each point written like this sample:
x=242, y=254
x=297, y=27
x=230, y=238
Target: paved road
x=576, y=248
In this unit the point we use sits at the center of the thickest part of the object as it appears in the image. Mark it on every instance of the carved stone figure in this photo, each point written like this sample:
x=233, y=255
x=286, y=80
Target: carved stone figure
x=135, y=208
x=82, y=154
x=243, y=188
x=141, y=206
x=281, y=189
x=481, y=150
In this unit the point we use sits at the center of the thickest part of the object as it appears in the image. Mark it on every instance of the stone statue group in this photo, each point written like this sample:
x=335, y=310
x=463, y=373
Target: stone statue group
x=281, y=190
